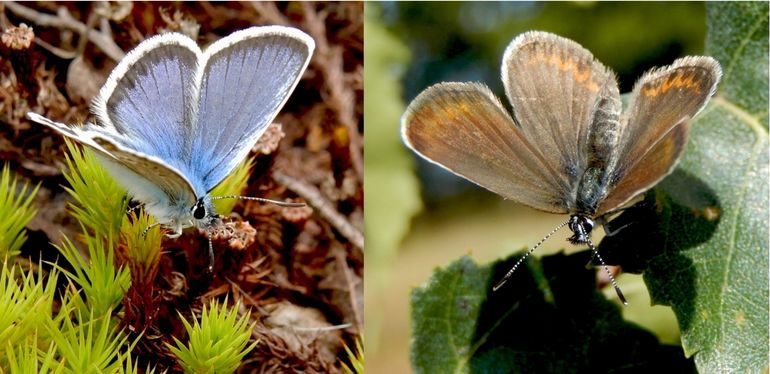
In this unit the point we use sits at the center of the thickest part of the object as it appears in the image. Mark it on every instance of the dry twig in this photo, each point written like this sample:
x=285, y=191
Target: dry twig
x=354, y=303
x=64, y=19
x=329, y=62
x=316, y=200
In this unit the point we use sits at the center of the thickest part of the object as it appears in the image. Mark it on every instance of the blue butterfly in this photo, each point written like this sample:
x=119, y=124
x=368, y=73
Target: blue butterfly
x=172, y=121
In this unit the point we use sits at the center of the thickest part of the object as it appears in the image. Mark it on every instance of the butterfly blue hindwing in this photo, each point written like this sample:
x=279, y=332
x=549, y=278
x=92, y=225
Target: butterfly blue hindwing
x=245, y=79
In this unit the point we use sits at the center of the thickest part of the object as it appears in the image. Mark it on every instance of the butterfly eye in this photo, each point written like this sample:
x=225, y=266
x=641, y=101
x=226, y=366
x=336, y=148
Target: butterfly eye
x=198, y=210
x=588, y=224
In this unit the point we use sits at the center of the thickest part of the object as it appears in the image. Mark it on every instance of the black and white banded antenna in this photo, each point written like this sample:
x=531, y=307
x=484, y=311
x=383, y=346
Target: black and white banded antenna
x=285, y=204
x=585, y=239
x=261, y=199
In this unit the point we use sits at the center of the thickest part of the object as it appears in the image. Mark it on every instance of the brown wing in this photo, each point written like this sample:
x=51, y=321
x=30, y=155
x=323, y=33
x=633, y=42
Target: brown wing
x=654, y=130
x=555, y=86
x=464, y=128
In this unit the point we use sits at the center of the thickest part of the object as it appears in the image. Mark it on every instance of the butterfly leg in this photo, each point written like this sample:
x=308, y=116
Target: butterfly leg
x=174, y=234
x=605, y=222
x=176, y=230
x=144, y=232
x=609, y=232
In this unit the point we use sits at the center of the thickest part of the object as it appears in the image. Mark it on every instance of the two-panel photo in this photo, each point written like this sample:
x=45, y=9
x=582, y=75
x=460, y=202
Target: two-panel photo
x=384, y=187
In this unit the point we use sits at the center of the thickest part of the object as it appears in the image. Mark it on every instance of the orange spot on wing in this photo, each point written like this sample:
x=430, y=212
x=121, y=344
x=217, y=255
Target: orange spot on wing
x=676, y=81
x=581, y=76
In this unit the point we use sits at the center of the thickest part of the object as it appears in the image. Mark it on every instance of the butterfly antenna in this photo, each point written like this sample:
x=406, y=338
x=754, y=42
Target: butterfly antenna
x=612, y=279
x=211, y=254
x=516, y=265
x=276, y=202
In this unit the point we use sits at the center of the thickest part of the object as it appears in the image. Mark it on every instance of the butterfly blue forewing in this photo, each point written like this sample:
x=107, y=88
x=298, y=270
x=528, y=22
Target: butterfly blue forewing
x=246, y=79
x=173, y=121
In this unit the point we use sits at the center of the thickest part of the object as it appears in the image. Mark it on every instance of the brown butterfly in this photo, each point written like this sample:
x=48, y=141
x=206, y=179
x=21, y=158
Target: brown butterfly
x=567, y=148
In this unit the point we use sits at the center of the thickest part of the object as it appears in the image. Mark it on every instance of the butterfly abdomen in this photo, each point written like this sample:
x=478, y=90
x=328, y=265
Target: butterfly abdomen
x=601, y=151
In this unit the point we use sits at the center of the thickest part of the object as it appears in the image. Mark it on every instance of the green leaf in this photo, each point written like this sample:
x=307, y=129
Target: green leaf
x=26, y=304
x=737, y=37
x=100, y=201
x=702, y=241
x=142, y=246
x=461, y=326
x=93, y=346
x=356, y=357
x=218, y=343
x=232, y=186
x=15, y=212
x=28, y=357
x=99, y=280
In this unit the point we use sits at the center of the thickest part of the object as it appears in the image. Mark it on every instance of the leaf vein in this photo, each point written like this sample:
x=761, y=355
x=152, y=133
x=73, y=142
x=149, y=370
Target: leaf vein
x=447, y=311
x=748, y=118
x=738, y=51
x=740, y=198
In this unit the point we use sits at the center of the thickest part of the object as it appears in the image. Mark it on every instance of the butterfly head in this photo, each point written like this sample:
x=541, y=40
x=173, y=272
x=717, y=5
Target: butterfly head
x=203, y=213
x=581, y=226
